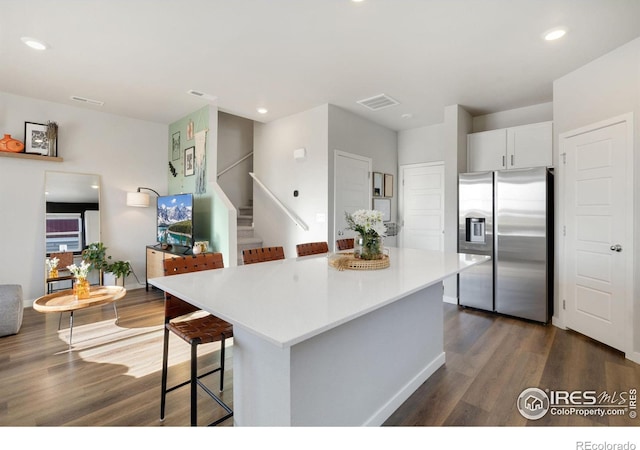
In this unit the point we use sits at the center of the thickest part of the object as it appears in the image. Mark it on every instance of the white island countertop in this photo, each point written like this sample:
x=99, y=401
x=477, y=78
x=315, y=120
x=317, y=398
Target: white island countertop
x=289, y=301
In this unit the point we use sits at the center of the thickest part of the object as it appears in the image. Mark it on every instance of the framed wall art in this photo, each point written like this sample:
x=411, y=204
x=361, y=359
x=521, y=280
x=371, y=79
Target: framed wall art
x=377, y=184
x=175, y=146
x=36, y=140
x=384, y=206
x=388, y=185
x=189, y=161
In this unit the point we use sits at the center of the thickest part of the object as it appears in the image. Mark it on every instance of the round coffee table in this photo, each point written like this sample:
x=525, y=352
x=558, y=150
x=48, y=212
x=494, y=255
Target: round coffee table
x=65, y=301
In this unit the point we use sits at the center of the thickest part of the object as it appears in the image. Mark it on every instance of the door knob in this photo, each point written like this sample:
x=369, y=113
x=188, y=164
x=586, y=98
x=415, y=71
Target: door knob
x=616, y=248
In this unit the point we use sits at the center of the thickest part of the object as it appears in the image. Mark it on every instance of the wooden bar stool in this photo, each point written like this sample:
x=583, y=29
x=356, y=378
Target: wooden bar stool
x=263, y=254
x=344, y=244
x=194, y=331
x=312, y=248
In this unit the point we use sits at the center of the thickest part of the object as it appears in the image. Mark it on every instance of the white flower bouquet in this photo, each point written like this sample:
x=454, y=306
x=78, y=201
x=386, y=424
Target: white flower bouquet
x=52, y=263
x=80, y=271
x=369, y=225
x=367, y=222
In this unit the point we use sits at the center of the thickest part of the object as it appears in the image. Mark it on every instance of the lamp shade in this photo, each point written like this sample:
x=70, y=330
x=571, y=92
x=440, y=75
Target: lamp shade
x=139, y=199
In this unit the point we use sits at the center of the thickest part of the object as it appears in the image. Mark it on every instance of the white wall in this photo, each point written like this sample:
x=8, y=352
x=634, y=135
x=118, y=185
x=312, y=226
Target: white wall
x=605, y=88
x=126, y=153
x=274, y=165
x=353, y=134
x=514, y=117
x=235, y=140
x=457, y=124
x=421, y=145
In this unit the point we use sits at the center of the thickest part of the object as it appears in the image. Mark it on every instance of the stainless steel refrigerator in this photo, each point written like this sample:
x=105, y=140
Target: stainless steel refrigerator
x=508, y=215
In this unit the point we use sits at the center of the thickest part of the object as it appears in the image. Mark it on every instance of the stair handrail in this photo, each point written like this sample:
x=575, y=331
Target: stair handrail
x=286, y=210
x=234, y=164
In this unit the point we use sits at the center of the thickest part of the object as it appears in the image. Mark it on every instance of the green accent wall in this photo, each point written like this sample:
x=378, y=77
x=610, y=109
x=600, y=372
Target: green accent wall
x=182, y=183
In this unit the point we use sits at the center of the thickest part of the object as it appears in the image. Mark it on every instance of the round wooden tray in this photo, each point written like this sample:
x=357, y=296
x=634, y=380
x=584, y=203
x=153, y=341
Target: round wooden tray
x=342, y=261
x=63, y=301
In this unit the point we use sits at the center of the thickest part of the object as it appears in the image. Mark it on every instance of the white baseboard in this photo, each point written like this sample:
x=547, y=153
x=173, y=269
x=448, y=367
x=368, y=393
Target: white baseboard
x=394, y=403
x=558, y=322
x=633, y=356
x=448, y=299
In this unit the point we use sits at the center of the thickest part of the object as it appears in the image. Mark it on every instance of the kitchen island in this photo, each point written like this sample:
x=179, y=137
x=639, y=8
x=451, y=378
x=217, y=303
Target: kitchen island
x=315, y=346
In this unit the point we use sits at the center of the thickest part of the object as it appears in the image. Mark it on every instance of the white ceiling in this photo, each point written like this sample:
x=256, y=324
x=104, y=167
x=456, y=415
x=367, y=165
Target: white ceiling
x=140, y=57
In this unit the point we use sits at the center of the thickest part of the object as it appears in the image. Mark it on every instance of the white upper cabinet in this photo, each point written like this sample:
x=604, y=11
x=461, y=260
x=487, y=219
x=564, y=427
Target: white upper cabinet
x=511, y=148
x=487, y=150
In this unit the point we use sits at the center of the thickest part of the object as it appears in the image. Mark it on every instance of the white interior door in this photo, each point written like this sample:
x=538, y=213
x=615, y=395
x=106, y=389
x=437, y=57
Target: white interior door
x=422, y=206
x=352, y=174
x=598, y=220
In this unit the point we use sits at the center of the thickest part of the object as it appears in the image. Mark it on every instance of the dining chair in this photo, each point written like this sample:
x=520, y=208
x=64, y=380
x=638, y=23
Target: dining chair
x=344, y=244
x=194, y=330
x=262, y=254
x=64, y=259
x=312, y=248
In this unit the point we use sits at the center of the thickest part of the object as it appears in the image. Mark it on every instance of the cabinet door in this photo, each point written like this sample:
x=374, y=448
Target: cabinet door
x=155, y=268
x=487, y=150
x=530, y=146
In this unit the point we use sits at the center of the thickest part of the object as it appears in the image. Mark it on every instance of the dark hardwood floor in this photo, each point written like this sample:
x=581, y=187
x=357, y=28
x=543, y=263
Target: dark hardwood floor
x=111, y=377
x=491, y=359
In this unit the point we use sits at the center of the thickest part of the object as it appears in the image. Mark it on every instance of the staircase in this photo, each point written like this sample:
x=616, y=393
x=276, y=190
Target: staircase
x=246, y=235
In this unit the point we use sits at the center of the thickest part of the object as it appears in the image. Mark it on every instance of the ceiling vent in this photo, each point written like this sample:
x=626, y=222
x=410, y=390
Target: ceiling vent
x=201, y=94
x=86, y=100
x=378, y=102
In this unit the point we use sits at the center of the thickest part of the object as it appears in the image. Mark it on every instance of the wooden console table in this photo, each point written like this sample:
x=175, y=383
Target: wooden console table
x=155, y=257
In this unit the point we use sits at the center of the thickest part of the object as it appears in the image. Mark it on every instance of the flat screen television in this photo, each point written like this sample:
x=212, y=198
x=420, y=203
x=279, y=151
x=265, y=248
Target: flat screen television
x=175, y=219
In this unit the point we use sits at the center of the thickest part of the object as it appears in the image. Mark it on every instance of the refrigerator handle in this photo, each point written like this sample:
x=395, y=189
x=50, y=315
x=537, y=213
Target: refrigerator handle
x=504, y=164
x=511, y=160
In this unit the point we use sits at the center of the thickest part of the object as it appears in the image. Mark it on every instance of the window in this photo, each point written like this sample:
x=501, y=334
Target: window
x=64, y=230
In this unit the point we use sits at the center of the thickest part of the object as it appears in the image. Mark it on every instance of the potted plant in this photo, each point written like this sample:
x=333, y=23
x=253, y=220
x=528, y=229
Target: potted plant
x=96, y=255
x=118, y=269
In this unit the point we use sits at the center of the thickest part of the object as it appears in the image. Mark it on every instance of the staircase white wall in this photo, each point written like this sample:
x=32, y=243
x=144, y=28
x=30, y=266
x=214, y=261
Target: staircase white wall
x=235, y=140
x=276, y=167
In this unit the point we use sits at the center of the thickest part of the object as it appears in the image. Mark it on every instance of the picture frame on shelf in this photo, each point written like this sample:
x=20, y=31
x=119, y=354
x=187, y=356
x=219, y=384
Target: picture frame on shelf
x=388, y=185
x=377, y=184
x=175, y=146
x=189, y=161
x=36, y=141
x=384, y=206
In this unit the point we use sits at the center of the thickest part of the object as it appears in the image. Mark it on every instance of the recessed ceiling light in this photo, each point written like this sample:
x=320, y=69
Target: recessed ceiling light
x=34, y=43
x=407, y=116
x=554, y=34
x=262, y=110
x=357, y=1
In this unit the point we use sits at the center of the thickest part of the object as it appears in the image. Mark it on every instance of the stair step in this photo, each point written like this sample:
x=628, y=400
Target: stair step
x=245, y=221
x=245, y=210
x=245, y=231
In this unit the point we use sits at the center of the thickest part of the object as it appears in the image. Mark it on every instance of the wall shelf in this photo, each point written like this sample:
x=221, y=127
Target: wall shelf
x=31, y=156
